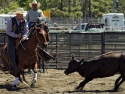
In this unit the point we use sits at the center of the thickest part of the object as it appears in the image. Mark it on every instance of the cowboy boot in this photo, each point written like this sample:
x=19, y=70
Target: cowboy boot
x=11, y=70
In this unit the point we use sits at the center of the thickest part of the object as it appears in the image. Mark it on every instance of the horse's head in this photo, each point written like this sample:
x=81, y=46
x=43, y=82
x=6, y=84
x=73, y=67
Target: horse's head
x=42, y=34
x=47, y=31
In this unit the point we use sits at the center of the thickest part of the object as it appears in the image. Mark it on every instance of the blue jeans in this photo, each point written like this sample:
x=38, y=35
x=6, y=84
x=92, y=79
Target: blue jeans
x=30, y=23
x=11, y=52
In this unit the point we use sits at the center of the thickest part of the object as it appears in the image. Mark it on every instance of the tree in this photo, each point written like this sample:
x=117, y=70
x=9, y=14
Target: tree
x=100, y=7
x=8, y=5
x=122, y=6
x=63, y=8
x=72, y=10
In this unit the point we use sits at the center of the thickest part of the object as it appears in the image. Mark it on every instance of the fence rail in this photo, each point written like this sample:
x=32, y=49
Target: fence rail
x=81, y=45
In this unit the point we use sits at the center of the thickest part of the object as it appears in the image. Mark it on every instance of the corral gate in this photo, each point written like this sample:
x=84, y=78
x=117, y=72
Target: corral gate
x=81, y=45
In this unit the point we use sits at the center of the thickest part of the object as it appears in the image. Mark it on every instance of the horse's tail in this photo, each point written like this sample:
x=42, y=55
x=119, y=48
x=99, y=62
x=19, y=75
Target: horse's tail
x=0, y=55
x=3, y=56
x=2, y=68
x=3, y=48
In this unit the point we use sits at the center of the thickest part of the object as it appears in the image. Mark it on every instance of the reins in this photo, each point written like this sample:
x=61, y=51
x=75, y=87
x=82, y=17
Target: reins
x=26, y=51
x=37, y=38
x=20, y=43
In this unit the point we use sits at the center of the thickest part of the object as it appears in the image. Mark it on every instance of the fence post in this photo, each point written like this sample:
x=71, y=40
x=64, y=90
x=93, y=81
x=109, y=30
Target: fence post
x=5, y=38
x=56, y=49
x=103, y=42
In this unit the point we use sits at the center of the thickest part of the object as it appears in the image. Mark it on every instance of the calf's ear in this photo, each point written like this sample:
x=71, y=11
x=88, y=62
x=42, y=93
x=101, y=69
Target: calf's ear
x=81, y=62
x=72, y=57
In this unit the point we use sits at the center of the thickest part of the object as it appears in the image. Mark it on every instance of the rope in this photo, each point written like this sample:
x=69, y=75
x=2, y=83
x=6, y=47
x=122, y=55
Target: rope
x=20, y=43
x=26, y=51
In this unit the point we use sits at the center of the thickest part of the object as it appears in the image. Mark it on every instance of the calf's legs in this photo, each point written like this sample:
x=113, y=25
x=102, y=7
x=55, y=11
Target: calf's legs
x=117, y=86
x=121, y=79
x=118, y=79
x=118, y=82
x=82, y=84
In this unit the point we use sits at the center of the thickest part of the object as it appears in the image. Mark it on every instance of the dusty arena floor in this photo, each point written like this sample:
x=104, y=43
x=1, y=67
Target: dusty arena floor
x=56, y=82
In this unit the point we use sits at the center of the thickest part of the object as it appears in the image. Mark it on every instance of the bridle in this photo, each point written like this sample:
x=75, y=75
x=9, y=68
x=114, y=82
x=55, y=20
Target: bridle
x=38, y=37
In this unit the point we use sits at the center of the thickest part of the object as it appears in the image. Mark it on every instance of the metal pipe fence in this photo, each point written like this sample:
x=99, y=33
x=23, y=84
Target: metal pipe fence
x=81, y=45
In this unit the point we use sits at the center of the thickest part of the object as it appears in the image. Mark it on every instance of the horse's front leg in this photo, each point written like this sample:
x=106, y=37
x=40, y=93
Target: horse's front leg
x=23, y=80
x=41, y=66
x=35, y=75
x=20, y=71
x=17, y=75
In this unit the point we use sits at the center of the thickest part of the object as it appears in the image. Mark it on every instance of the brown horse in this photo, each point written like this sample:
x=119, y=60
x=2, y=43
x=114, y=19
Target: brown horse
x=27, y=53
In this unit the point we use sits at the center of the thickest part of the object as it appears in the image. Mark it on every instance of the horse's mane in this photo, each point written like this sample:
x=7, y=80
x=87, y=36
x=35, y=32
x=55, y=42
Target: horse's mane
x=36, y=26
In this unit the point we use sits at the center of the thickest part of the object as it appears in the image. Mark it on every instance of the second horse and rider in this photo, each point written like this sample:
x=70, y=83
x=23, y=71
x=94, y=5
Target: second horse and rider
x=18, y=28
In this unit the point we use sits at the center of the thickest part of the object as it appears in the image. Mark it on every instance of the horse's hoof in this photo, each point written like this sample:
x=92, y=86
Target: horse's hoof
x=29, y=72
x=33, y=85
x=14, y=87
x=25, y=83
x=41, y=71
x=78, y=88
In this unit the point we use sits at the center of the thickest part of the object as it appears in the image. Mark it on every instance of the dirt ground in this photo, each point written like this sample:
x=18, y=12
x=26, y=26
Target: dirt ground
x=56, y=82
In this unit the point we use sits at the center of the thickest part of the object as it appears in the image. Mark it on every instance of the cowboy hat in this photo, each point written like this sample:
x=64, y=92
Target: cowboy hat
x=19, y=12
x=34, y=2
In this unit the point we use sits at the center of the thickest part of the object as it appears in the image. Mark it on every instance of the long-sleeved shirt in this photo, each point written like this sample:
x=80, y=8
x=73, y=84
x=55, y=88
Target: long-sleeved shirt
x=12, y=34
x=32, y=15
